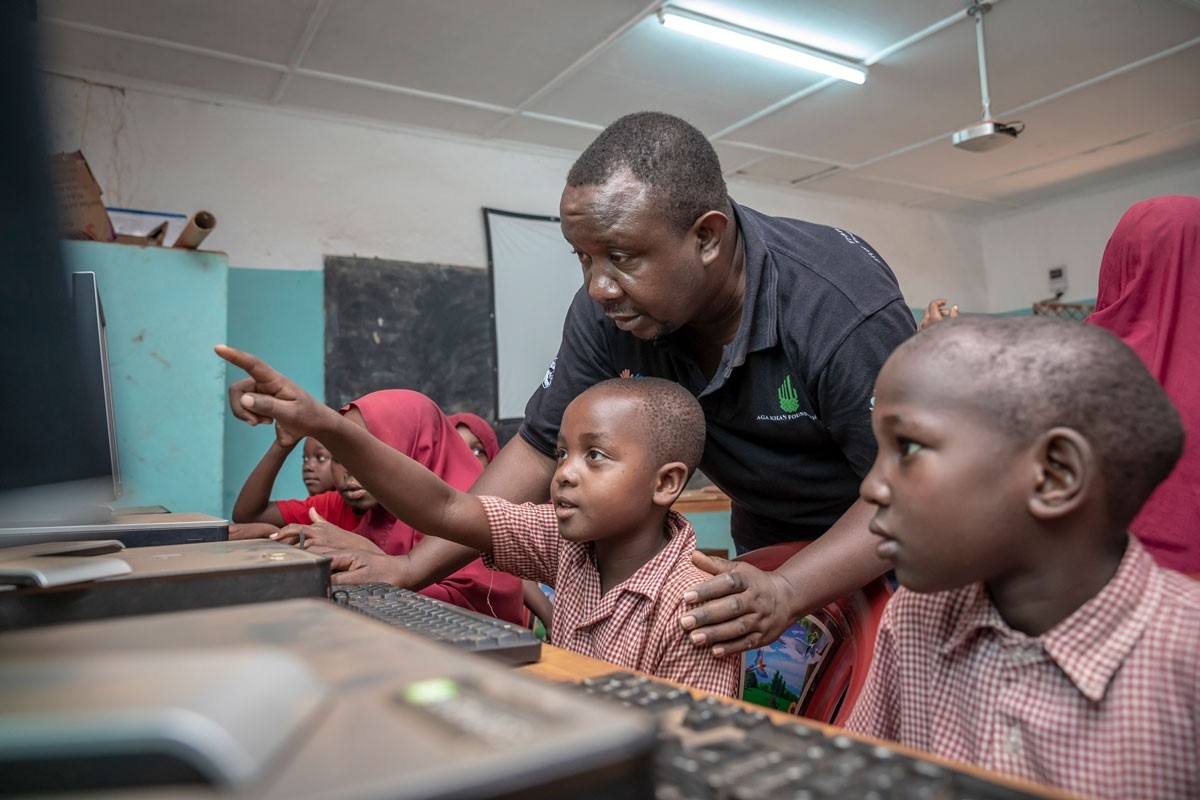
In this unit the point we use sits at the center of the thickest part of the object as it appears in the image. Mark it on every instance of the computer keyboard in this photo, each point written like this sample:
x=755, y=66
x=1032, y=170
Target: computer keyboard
x=443, y=622
x=711, y=748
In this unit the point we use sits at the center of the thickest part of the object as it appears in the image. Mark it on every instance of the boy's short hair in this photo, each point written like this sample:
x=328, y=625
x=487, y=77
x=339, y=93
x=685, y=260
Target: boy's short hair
x=1031, y=374
x=670, y=156
x=671, y=417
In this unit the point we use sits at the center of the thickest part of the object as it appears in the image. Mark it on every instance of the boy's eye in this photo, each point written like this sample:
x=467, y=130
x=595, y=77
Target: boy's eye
x=908, y=447
x=477, y=451
x=594, y=455
x=560, y=454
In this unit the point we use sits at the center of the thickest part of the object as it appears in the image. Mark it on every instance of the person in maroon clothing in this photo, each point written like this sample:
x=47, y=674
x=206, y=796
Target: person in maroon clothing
x=481, y=438
x=479, y=435
x=1149, y=296
x=1032, y=634
x=609, y=543
x=352, y=518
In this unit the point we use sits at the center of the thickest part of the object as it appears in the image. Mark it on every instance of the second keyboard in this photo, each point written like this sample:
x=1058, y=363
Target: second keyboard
x=443, y=622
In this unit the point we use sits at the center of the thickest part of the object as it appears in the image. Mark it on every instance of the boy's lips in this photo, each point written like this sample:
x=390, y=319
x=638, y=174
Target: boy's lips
x=564, y=508
x=888, y=547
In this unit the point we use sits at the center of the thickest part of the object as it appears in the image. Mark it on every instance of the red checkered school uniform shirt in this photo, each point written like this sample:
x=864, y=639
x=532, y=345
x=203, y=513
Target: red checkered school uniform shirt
x=1105, y=704
x=636, y=623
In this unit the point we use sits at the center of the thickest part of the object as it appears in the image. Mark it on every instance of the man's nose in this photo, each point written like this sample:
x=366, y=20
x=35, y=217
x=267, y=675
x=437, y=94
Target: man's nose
x=601, y=286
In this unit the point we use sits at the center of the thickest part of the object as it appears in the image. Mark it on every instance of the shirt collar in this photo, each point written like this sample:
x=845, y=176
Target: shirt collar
x=649, y=578
x=758, y=328
x=1090, y=645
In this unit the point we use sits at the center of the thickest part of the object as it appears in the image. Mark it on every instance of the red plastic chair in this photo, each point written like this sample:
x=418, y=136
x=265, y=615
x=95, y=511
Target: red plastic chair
x=857, y=617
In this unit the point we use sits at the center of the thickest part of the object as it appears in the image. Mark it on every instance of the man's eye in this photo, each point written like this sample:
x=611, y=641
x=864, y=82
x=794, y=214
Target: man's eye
x=908, y=447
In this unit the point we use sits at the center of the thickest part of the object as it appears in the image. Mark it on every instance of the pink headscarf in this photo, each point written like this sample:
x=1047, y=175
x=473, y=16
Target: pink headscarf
x=410, y=422
x=482, y=430
x=1149, y=296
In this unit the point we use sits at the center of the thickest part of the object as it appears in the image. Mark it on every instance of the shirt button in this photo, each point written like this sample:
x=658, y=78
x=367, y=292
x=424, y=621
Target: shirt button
x=1012, y=742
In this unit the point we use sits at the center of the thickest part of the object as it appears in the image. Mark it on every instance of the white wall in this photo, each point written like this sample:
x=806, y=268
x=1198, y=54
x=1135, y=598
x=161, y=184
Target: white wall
x=289, y=189
x=932, y=254
x=1019, y=250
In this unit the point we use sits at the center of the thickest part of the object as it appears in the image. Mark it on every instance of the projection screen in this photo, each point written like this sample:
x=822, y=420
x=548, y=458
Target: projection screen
x=534, y=276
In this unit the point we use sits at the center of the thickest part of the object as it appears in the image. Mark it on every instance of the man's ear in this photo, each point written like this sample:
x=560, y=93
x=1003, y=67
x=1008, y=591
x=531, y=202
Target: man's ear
x=672, y=478
x=1065, y=467
x=709, y=229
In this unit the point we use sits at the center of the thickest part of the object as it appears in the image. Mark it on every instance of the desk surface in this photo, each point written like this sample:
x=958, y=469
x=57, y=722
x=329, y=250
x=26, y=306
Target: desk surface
x=565, y=666
x=693, y=501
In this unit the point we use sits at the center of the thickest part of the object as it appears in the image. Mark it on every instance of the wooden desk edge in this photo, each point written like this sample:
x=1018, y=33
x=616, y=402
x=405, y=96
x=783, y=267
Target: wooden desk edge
x=564, y=666
x=694, y=501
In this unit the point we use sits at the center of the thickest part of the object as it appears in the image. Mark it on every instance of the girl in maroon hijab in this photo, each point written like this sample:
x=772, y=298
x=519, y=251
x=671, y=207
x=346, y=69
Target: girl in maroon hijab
x=413, y=424
x=481, y=439
x=1149, y=296
x=479, y=435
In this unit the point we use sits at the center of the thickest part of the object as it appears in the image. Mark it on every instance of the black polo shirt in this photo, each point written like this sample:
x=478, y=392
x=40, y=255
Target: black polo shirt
x=789, y=408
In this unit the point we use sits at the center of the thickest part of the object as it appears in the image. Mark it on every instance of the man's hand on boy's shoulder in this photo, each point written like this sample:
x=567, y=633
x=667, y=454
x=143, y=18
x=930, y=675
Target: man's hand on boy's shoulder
x=743, y=606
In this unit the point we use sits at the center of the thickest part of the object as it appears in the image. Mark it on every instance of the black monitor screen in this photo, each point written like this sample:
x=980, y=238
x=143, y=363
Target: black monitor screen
x=53, y=432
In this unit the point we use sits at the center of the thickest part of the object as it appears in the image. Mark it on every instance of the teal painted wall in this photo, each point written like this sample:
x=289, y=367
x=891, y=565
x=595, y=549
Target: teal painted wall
x=712, y=530
x=279, y=315
x=164, y=310
x=179, y=445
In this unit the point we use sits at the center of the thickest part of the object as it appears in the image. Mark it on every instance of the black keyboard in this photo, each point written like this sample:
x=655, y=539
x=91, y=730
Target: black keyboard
x=443, y=622
x=710, y=748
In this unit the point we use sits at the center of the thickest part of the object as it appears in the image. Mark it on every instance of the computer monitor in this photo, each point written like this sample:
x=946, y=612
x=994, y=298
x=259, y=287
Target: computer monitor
x=101, y=459
x=55, y=444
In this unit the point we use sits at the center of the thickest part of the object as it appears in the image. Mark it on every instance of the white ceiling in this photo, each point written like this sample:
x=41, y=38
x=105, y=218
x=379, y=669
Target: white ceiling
x=1107, y=89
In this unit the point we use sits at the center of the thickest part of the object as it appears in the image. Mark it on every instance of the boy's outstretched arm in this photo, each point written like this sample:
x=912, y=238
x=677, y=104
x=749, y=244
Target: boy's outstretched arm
x=405, y=488
x=519, y=474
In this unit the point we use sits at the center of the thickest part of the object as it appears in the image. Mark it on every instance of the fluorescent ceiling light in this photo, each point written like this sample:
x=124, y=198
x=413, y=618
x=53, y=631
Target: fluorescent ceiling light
x=758, y=43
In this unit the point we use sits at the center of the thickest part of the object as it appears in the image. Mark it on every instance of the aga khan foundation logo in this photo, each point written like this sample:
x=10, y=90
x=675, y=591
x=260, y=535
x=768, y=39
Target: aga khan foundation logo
x=789, y=401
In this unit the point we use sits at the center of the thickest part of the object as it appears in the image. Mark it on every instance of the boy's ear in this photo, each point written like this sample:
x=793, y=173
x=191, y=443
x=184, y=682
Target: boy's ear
x=1065, y=468
x=672, y=478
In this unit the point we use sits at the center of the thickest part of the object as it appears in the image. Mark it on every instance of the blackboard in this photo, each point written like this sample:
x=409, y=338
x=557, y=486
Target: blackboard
x=400, y=325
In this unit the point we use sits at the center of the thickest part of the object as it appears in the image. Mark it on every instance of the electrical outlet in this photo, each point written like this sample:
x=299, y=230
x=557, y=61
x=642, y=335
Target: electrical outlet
x=1058, y=280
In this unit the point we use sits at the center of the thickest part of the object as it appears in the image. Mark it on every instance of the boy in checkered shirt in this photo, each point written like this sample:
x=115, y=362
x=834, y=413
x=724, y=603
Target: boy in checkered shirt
x=617, y=555
x=1032, y=634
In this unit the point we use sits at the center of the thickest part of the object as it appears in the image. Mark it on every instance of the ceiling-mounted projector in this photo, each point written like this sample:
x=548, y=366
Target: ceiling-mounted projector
x=987, y=134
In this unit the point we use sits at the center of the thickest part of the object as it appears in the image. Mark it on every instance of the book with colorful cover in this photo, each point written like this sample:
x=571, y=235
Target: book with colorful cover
x=782, y=675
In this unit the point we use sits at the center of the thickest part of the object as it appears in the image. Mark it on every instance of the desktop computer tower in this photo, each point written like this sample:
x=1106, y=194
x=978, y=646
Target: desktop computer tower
x=165, y=578
x=298, y=699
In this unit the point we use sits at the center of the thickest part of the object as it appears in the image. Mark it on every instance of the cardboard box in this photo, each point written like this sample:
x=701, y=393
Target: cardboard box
x=81, y=213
